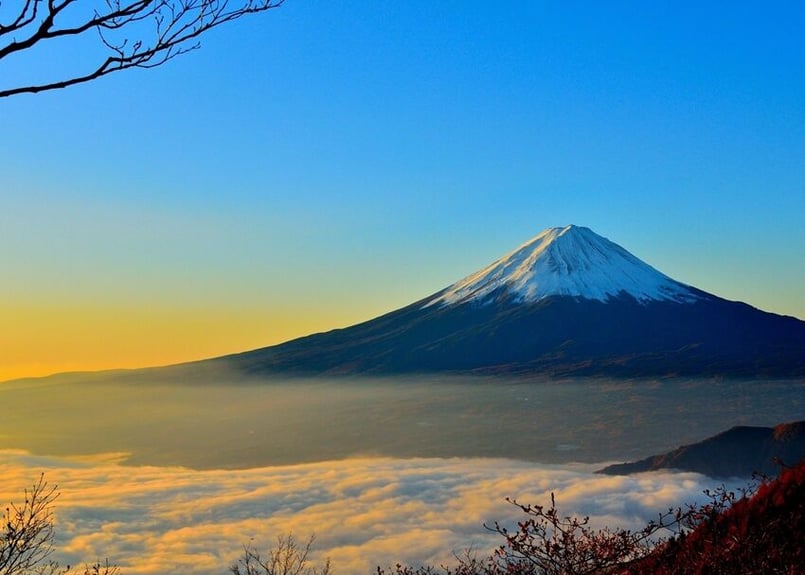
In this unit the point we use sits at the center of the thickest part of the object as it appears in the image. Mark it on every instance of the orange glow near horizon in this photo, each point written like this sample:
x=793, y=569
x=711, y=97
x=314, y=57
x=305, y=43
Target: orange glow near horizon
x=40, y=340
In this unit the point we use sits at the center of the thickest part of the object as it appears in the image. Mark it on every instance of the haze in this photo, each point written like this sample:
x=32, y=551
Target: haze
x=175, y=473
x=219, y=421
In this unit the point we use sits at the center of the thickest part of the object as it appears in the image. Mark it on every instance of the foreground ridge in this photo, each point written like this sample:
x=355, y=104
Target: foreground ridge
x=741, y=451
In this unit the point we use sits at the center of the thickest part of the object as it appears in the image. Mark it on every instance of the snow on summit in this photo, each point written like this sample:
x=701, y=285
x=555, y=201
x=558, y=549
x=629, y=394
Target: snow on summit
x=570, y=261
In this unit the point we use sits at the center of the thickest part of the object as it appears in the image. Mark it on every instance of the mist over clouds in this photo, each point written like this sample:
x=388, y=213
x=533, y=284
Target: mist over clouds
x=213, y=421
x=364, y=512
x=177, y=475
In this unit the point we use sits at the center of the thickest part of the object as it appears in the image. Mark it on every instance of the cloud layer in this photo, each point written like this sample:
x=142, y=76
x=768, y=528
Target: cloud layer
x=364, y=512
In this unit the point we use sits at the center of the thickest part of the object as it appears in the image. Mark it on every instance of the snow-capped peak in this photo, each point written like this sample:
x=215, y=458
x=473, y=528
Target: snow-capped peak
x=570, y=261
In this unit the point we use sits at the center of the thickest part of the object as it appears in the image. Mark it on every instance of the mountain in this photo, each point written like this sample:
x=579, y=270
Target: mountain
x=568, y=302
x=738, y=452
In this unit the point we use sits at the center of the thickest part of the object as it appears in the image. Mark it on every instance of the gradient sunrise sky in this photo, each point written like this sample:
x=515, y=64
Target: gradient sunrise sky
x=327, y=162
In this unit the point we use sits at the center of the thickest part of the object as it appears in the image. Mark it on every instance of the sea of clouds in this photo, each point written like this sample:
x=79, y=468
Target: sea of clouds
x=364, y=512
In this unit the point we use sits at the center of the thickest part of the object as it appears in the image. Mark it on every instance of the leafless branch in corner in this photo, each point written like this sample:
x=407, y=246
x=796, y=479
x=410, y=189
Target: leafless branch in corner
x=134, y=34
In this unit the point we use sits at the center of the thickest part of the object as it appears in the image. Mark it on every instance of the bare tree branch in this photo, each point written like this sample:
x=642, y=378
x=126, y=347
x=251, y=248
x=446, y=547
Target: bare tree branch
x=26, y=537
x=27, y=533
x=139, y=34
x=288, y=557
x=26, y=16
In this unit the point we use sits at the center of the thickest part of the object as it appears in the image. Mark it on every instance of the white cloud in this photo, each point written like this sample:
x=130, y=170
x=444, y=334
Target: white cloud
x=364, y=512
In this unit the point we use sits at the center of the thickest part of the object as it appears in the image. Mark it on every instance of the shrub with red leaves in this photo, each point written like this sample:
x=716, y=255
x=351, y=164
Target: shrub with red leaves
x=762, y=534
x=759, y=532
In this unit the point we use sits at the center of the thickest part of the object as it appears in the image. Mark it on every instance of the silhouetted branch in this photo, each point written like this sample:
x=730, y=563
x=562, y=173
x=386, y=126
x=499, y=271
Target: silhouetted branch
x=288, y=557
x=139, y=34
x=26, y=537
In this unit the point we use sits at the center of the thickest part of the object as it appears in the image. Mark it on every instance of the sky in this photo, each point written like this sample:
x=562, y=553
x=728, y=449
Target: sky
x=324, y=163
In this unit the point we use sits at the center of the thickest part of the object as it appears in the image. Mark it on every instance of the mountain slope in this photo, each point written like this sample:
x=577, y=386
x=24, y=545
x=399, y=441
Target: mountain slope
x=737, y=452
x=566, y=303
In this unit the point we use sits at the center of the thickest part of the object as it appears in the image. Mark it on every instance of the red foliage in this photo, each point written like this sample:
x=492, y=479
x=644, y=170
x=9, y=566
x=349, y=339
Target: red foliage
x=762, y=534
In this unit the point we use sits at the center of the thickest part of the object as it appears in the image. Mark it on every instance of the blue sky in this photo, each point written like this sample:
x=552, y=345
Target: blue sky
x=326, y=162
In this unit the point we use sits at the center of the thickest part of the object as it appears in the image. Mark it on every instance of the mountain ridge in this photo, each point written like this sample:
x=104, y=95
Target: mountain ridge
x=741, y=451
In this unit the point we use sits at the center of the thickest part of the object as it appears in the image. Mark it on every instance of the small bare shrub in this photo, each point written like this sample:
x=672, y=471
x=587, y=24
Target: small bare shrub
x=288, y=557
x=26, y=536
